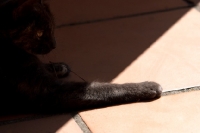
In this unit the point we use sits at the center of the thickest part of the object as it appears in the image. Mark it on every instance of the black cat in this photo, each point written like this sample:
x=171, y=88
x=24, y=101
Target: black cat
x=27, y=28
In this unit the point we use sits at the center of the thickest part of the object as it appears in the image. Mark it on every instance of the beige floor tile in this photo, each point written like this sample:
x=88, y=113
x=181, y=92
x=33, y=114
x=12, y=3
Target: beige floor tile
x=111, y=51
x=170, y=114
x=54, y=124
x=173, y=60
x=70, y=11
x=159, y=47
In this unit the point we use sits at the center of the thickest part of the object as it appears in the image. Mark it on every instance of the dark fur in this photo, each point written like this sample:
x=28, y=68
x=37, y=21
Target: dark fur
x=26, y=28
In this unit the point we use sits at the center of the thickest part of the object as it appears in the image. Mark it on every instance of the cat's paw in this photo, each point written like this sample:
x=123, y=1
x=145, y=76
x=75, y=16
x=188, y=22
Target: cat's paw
x=60, y=70
x=149, y=90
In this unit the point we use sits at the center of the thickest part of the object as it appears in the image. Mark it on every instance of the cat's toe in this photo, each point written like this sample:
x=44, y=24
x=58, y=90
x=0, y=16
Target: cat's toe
x=63, y=71
x=159, y=91
x=151, y=90
x=60, y=70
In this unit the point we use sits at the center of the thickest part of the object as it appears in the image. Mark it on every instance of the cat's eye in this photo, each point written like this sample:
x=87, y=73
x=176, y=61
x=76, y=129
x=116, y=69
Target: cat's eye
x=40, y=33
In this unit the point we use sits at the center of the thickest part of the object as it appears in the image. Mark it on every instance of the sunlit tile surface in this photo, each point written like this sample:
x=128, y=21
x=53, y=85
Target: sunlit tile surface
x=173, y=60
x=170, y=114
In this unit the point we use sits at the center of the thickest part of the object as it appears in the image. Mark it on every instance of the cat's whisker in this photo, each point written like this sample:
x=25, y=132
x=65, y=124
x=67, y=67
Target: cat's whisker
x=78, y=76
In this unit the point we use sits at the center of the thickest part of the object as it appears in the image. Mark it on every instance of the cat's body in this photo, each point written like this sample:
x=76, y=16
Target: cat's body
x=29, y=85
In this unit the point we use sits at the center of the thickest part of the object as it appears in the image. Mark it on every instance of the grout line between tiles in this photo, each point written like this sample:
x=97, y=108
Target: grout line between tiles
x=81, y=123
x=190, y=2
x=122, y=17
x=75, y=116
x=178, y=91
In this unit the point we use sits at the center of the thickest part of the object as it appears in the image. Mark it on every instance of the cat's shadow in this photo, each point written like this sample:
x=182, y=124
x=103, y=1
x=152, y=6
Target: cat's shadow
x=40, y=122
x=37, y=124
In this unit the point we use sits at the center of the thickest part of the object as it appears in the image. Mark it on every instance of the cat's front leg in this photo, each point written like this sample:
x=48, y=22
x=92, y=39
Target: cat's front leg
x=128, y=92
x=59, y=70
x=97, y=94
x=59, y=96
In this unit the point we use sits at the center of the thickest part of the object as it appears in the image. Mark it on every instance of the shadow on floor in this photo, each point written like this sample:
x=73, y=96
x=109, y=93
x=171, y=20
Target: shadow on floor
x=102, y=49
x=35, y=124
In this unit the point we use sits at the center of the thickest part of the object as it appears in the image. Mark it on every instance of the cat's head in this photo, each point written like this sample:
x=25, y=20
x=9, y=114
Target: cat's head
x=29, y=24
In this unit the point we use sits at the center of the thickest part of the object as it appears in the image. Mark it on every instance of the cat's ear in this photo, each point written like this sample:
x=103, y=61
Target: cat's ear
x=25, y=7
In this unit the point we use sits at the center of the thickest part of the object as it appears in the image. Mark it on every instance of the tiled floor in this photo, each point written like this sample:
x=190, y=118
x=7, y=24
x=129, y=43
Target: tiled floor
x=173, y=59
x=58, y=124
x=171, y=114
x=128, y=41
